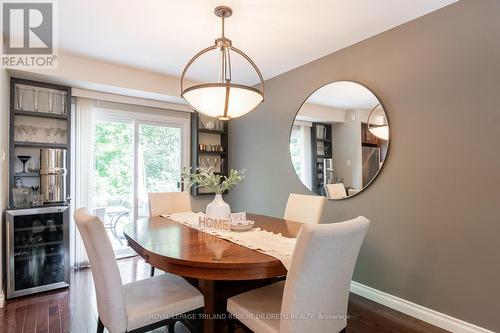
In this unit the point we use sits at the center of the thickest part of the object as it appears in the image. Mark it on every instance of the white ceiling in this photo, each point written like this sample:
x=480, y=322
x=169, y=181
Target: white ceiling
x=279, y=35
x=344, y=95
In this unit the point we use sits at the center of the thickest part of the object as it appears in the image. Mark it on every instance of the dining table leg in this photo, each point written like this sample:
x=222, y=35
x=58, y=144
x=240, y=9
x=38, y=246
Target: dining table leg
x=207, y=288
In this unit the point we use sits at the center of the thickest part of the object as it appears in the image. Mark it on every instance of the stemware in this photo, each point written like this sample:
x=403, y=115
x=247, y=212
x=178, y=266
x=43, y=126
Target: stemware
x=20, y=131
x=51, y=102
x=24, y=159
x=33, y=167
x=19, y=98
x=49, y=131
x=27, y=132
x=62, y=133
x=216, y=164
x=63, y=103
x=35, y=100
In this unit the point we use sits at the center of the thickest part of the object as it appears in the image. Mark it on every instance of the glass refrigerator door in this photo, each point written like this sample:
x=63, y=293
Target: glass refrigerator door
x=38, y=250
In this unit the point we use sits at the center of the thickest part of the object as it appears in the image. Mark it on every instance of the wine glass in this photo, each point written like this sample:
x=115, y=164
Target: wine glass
x=19, y=98
x=62, y=133
x=216, y=164
x=24, y=159
x=48, y=131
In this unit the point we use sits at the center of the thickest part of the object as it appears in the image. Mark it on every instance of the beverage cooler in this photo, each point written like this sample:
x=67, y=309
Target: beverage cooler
x=37, y=244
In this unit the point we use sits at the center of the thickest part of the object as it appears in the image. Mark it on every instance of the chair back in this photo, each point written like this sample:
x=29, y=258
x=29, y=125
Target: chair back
x=107, y=280
x=320, y=276
x=335, y=191
x=168, y=202
x=305, y=208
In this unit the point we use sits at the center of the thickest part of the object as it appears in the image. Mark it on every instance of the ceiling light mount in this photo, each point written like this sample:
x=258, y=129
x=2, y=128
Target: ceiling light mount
x=223, y=99
x=223, y=11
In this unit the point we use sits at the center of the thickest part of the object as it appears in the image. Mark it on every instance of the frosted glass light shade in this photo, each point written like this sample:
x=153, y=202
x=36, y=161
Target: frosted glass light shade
x=210, y=99
x=381, y=132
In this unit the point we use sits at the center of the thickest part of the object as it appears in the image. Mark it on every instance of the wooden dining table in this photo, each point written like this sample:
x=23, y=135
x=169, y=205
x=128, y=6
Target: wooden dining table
x=217, y=267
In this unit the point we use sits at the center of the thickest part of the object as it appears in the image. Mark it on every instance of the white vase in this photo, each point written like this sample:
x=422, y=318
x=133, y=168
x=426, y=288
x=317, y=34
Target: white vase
x=218, y=208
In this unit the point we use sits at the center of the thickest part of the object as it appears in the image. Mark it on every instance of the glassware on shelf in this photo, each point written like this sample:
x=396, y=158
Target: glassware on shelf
x=35, y=99
x=62, y=133
x=20, y=197
x=36, y=196
x=51, y=102
x=63, y=103
x=19, y=98
x=24, y=159
x=33, y=167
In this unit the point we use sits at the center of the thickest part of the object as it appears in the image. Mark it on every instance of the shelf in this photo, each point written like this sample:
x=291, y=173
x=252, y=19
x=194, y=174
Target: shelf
x=211, y=152
x=28, y=257
x=324, y=140
x=26, y=174
x=40, y=114
x=58, y=226
x=209, y=131
x=39, y=144
x=38, y=245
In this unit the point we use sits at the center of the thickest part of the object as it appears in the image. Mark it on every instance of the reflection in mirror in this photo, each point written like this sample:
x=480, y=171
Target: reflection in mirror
x=339, y=140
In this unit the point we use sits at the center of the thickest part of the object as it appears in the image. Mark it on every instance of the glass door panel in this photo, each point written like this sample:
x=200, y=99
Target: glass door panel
x=113, y=183
x=158, y=162
x=38, y=250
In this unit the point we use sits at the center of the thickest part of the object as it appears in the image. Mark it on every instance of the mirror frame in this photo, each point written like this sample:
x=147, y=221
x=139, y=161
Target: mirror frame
x=388, y=141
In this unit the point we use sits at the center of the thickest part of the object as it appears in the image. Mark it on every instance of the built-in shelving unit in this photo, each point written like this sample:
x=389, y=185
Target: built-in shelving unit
x=321, y=149
x=209, y=146
x=39, y=118
x=37, y=236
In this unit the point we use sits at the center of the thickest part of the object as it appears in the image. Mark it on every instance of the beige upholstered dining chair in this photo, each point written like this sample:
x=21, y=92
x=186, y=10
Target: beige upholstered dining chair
x=168, y=202
x=335, y=191
x=138, y=306
x=317, y=284
x=305, y=208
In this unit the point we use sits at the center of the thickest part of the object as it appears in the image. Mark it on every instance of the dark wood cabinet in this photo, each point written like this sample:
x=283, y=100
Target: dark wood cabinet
x=209, y=146
x=321, y=149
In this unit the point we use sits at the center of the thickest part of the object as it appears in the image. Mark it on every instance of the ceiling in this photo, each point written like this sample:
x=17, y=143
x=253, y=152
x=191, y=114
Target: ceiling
x=279, y=35
x=344, y=95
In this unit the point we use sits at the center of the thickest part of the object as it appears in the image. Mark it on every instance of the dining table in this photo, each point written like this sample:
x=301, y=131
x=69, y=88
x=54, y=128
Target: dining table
x=217, y=267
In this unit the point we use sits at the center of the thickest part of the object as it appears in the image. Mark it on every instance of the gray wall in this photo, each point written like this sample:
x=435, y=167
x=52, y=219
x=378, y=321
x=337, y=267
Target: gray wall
x=435, y=210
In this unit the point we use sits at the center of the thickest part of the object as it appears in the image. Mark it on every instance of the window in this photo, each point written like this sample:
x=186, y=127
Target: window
x=300, y=152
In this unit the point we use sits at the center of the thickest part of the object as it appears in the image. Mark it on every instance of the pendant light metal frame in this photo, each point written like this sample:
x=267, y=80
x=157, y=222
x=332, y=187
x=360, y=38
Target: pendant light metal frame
x=224, y=45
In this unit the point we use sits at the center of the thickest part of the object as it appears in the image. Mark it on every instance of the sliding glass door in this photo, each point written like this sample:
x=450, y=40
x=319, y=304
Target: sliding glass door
x=134, y=154
x=159, y=162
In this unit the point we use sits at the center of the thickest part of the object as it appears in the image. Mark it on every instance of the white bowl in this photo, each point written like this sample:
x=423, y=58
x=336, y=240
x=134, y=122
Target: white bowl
x=242, y=226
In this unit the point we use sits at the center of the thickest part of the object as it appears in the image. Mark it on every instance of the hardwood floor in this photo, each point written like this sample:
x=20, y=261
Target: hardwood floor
x=74, y=309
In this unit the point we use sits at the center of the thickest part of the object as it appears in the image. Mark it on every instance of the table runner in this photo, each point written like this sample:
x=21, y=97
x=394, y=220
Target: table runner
x=275, y=245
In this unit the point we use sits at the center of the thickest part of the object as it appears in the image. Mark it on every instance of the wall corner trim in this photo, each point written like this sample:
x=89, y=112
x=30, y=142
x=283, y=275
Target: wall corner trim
x=417, y=311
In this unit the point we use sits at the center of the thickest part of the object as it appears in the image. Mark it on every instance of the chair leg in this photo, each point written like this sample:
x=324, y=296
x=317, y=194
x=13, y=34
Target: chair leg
x=230, y=325
x=100, y=326
x=152, y=271
x=171, y=327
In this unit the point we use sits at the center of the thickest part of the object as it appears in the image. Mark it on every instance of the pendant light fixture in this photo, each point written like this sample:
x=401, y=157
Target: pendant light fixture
x=378, y=127
x=223, y=99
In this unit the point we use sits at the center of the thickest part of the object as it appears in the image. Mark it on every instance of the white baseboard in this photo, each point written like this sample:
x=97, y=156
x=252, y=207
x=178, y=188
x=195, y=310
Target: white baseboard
x=417, y=311
x=2, y=299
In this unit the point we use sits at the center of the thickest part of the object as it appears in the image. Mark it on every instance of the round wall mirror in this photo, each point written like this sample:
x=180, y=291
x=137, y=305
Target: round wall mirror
x=339, y=140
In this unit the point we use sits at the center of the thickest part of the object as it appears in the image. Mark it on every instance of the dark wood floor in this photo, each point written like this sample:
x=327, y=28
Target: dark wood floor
x=74, y=309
